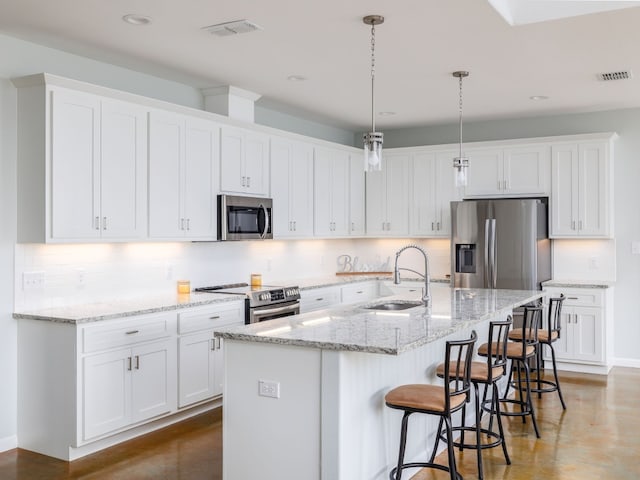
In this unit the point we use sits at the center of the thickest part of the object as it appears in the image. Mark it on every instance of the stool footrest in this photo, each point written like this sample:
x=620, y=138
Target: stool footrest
x=552, y=386
x=523, y=404
x=483, y=431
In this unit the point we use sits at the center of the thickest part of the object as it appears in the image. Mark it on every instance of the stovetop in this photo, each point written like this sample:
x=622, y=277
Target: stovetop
x=257, y=296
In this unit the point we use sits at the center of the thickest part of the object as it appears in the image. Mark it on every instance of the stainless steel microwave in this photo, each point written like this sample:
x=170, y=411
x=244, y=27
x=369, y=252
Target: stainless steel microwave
x=244, y=218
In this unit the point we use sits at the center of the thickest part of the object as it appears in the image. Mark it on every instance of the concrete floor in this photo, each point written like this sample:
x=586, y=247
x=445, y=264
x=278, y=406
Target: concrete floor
x=597, y=437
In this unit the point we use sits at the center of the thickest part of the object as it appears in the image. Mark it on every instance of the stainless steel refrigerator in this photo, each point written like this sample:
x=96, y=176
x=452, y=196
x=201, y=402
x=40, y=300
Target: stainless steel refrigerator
x=500, y=243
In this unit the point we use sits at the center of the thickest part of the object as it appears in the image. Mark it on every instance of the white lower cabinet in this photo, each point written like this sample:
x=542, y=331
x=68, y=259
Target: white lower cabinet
x=200, y=355
x=586, y=323
x=127, y=386
x=359, y=292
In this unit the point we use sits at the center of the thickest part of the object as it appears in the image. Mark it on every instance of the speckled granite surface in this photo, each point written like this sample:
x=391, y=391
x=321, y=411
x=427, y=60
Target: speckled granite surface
x=94, y=312
x=357, y=328
x=577, y=284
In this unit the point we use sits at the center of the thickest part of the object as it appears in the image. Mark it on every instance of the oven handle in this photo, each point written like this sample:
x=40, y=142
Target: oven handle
x=271, y=311
x=266, y=221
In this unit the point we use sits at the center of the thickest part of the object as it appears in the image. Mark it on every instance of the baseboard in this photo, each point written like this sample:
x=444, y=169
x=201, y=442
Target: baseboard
x=8, y=443
x=582, y=368
x=626, y=362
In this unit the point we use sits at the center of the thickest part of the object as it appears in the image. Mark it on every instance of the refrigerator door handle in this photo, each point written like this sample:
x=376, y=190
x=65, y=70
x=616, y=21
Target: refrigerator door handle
x=493, y=255
x=487, y=247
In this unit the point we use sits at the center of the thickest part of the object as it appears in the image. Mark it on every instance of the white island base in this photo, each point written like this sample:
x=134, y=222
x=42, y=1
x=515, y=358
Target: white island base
x=330, y=421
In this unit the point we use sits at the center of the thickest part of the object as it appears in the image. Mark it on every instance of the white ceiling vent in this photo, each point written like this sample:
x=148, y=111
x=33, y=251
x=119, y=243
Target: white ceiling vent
x=621, y=75
x=232, y=28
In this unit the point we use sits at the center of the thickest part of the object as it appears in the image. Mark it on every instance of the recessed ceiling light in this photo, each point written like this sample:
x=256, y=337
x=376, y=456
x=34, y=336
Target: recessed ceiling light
x=296, y=78
x=135, y=19
x=538, y=97
x=386, y=114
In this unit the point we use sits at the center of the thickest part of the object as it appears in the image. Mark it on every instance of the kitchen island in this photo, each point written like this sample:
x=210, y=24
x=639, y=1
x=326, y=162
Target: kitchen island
x=304, y=395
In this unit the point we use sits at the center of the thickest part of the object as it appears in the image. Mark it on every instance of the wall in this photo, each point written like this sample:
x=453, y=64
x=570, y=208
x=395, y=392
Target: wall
x=111, y=271
x=8, y=344
x=626, y=197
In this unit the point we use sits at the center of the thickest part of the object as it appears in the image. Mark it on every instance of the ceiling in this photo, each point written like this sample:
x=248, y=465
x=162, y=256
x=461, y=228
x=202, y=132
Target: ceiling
x=417, y=48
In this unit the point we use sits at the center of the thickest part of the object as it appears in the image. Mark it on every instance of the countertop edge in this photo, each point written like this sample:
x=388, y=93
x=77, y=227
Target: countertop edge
x=578, y=284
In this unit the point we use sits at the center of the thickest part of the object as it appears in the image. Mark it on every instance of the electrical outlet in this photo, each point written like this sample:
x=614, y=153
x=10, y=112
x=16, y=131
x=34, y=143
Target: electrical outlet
x=32, y=280
x=267, y=388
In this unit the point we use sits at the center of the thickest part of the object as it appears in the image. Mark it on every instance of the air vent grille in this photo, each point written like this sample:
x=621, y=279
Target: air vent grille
x=232, y=28
x=621, y=75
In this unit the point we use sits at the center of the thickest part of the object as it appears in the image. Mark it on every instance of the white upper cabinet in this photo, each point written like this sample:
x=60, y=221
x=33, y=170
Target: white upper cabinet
x=183, y=164
x=387, y=197
x=581, y=203
x=331, y=192
x=292, y=188
x=516, y=170
x=432, y=190
x=244, y=162
x=97, y=169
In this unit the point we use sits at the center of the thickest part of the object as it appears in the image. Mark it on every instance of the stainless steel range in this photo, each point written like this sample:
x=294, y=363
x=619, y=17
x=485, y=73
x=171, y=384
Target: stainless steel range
x=262, y=303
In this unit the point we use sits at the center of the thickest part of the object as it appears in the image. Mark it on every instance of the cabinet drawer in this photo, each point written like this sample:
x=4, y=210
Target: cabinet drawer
x=580, y=297
x=318, y=298
x=209, y=317
x=359, y=292
x=112, y=334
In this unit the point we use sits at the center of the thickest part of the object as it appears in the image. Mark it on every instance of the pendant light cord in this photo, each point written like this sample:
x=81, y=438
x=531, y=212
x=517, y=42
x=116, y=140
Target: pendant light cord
x=373, y=76
x=460, y=125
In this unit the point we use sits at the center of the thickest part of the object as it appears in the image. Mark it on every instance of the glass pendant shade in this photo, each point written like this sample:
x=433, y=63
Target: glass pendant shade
x=461, y=165
x=373, y=152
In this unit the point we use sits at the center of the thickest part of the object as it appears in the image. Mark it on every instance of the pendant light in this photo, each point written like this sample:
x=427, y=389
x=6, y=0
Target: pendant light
x=460, y=163
x=373, y=139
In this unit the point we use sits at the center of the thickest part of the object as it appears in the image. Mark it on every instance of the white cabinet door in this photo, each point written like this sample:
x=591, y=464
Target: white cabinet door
x=588, y=334
x=356, y=195
x=200, y=189
x=564, y=190
x=526, y=169
x=485, y=175
x=301, y=188
x=593, y=190
x=319, y=298
x=196, y=367
x=581, y=190
x=244, y=162
x=433, y=189
x=292, y=188
x=331, y=195
x=166, y=152
x=106, y=394
x=388, y=197
x=153, y=390
x=75, y=149
x=123, y=170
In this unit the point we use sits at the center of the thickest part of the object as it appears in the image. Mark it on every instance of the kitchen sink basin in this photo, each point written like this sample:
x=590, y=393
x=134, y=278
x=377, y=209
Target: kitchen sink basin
x=394, y=305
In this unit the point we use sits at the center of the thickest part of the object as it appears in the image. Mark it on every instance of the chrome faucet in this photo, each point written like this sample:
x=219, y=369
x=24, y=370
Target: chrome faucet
x=426, y=294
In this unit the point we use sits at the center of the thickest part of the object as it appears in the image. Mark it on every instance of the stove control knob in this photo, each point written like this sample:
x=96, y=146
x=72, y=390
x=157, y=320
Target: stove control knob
x=265, y=296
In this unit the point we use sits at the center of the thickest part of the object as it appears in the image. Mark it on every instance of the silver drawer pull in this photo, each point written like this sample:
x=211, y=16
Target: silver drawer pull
x=359, y=291
x=573, y=298
x=319, y=299
x=132, y=332
x=215, y=317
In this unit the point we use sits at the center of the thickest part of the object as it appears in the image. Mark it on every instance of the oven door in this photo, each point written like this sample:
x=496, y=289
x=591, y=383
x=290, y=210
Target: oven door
x=262, y=314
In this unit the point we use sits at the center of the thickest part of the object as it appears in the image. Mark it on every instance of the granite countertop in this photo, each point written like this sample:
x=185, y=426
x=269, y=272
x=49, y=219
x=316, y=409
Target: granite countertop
x=94, y=312
x=577, y=283
x=356, y=328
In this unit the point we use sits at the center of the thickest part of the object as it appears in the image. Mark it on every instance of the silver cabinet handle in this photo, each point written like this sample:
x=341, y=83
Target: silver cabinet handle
x=248, y=182
x=182, y=224
x=438, y=225
x=573, y=224
x=319, y=299
x=353, y=226
x=104, y=223
x=218, y=342
x=188, y=224
x=432, y=226
x=243, y=181
x=132, y=332
x=97, y=223
x=295, y=228
x=359, y=292
x=129, y=363
x=137, y=362
x=215, y=317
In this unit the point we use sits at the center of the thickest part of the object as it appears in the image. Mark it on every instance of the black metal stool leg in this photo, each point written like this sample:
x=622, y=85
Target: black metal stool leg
x=539, y=366
x=496, y=407
x=555, y=376
x=453, y=473
x=435, y=446
x=478, y=439
x=529, y=402
x=396, y=473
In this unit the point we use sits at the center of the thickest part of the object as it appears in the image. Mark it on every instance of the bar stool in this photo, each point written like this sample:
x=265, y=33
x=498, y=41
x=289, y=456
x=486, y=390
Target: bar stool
x=486, y=373
x=547, y=336
x=520, y=354
x=435, y=400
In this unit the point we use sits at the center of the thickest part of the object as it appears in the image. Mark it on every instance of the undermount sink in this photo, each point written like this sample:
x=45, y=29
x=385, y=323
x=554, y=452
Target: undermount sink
x=394, y=305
